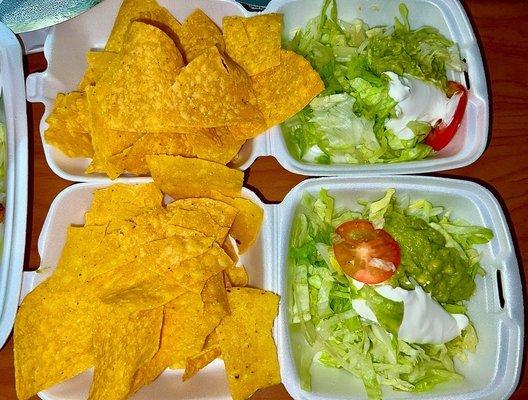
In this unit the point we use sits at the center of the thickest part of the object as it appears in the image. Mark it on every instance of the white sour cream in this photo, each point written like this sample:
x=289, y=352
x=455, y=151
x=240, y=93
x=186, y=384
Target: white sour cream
x=418, y=101
x=424, y=320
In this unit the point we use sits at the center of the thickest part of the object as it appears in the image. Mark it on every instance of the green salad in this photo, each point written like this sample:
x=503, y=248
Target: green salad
x=387, y=97
x=382, y=292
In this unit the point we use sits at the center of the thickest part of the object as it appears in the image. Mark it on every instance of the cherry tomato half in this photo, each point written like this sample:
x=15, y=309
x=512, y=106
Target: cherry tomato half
x=444, y=131
x=364, y=253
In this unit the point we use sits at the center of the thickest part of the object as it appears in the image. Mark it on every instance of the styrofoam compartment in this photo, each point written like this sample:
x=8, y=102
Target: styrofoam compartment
x=492, y=373
x=13, y=116
x=67, y=43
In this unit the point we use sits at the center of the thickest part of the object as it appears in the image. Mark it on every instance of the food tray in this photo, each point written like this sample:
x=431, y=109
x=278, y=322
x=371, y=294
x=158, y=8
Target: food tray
x=492, y=373
x=67, y=43
x=13, y=116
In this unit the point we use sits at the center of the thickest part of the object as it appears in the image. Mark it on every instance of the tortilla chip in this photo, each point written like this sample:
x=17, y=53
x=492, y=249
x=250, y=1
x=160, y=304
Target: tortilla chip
x=210, y=217
x=106, y=142
x=237, y=275
x=135, y=87
x=199, y=361
x=52, y=338
x=247, y=224
x=274, y=87
x=217, y=145
x=81, y=252
x=138, y=9
x=135, y=288
x=162, y=19
x=116, y=205
x=254, y=43
x=211, y=91
x=183, y=334
x=176, y=258
x=181, y=177
x=247, y=131
x=123, y=344
x=68, y=125
x=98, y=62
x=248, y=349
x=198, y=33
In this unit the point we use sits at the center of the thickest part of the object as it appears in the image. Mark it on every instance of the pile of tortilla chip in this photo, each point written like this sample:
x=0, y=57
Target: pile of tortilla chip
x=164, y=88
x=144, y=285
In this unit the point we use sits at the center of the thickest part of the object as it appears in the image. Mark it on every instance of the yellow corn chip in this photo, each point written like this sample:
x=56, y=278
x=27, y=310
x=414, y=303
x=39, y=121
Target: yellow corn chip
x=184, y=266
x=217, y=145
x=212, y=91
x=68, y=125
x=135, y=86
x=248, y=221
x=98, y=62
x=247, y=346
x=123, y=344
x=52, y=338
x=274, y=87
x=199, y=361
x=118, y=204
x=162, y=19
x=181, y=177
x=131, y=10
x=247, y=131
x=210, y=217
x=189, y=320
x=82, y=251
x=254, y=43
x=197, y=34
x=106, y=142
x=237, y=275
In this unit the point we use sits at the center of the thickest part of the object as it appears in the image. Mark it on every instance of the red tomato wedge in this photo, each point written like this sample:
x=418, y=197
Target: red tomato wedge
x=364, y=253
x=443, y=132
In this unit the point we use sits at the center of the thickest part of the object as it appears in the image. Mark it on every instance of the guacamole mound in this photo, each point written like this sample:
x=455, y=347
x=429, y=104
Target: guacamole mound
x=440, y=270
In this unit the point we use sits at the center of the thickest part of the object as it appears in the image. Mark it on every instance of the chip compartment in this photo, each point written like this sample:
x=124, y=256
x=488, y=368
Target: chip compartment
x=68, y=208
x=67, y=43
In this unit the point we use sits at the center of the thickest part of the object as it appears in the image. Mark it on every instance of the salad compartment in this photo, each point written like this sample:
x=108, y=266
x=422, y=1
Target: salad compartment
x=491, y=373
x=67, y=43
x=13, y=177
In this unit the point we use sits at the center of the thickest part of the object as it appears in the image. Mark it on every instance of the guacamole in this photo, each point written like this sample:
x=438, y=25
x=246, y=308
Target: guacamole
x=440, y=270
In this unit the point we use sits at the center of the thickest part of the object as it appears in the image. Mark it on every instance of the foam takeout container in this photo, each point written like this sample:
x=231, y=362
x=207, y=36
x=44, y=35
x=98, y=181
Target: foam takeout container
x=68, y=42
x=14, y=178
x=492, y=373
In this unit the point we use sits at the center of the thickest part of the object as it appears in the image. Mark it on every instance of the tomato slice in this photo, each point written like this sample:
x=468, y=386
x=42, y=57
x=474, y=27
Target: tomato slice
x=366, y=254
x=443, y=132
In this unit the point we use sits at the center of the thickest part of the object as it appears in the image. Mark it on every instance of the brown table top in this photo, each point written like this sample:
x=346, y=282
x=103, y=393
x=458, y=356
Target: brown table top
x=503, y=32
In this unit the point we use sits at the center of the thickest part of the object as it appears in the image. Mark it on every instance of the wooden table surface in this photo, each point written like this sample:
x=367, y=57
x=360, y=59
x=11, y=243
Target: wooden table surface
x=503, y=32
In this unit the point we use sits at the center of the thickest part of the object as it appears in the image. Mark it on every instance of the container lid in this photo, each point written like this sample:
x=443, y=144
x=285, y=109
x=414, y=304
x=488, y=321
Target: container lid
x=14, y=175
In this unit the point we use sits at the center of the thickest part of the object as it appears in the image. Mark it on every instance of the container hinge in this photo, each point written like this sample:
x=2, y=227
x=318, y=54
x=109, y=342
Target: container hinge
x=35, y=87
x=28, y=283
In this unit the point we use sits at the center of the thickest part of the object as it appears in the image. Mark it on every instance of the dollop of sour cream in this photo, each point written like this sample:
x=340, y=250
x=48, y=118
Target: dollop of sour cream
x=418, y=101
x=425, y=321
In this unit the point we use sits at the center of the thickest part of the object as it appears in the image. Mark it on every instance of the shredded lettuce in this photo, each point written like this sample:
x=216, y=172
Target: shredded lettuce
x=321, y=296
x=346, y=122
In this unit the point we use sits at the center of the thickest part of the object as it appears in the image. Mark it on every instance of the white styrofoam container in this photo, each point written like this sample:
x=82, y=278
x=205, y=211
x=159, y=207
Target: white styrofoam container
x=13, y=116
x=67, y=43
x=492, y=373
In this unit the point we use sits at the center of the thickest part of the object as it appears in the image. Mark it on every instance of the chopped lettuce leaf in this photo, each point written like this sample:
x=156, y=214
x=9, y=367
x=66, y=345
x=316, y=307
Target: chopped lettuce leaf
x=388, y=313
